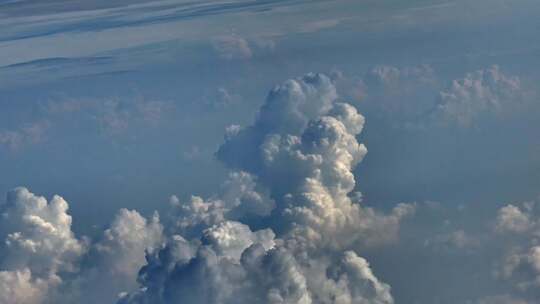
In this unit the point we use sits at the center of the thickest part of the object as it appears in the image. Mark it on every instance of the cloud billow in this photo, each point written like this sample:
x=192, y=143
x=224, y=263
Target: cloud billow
x=293, y=178
x=301, y=148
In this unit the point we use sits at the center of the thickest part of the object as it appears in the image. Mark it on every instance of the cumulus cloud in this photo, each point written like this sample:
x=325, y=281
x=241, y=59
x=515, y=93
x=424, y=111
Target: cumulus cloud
x=305, y=148
x=240, y=197
x=512, y=219
x=18, y=287
x=464, y=257
x=418, y=97
x=483, y=93
x=286, y=226
x=520, y=263
x=37, y=246
x=295, y=164
x=42, y=261
x=117, y=257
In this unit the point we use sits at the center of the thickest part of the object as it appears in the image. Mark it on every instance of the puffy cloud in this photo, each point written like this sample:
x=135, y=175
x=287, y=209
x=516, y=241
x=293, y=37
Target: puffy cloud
x=124, y=243
x=511, y=219
x=38, y=234
x=484, y=93
x=362, y=285
x=287, y=110
x=240, y=197
x=41, y=260
x=262, y=274
x=115, y=260
x=18, y=287
x=520, y=263
x=305, y=150
x=300, y=152
x=232, y=238
x=283, y=228
x=416, y=97
x=206, y=271
x=38, y=245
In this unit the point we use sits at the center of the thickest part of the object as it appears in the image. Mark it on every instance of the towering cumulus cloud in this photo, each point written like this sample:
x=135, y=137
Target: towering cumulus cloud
x=296, y=161
x=286, y=226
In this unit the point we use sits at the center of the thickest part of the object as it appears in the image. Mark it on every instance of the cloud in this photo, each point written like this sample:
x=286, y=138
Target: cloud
x=417, y=97
x=511, y=219
x=113, y=115
x=28, y=134
x=117, y=257
x=42, y=261
x=239, y=198
x=520, y=262
x=301, y=151
x=286, y=226
x=390, y=94
x=221, y=98
x=232, y=47
x=484, y=93
x=305, y=148
x=18, y=287
x=37, y=246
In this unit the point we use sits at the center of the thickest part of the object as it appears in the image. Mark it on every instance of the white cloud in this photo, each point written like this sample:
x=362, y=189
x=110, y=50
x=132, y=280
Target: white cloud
x=38, y=245
x=221, y=98
x=306, y=149
x=119, y=255
x=520, y=263
x=511, y=219
x=303, y=149
x=232, y=47
x=484, y=93
x=18, y=287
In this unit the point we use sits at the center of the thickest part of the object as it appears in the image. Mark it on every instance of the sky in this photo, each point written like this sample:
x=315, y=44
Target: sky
x=270, y=151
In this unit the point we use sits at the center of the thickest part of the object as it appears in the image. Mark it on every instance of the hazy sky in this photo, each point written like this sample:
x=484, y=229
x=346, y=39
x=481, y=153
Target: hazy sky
x=144, y=104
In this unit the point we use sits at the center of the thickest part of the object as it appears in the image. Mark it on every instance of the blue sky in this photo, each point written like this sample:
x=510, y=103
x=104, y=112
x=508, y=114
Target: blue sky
x=124, y=104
